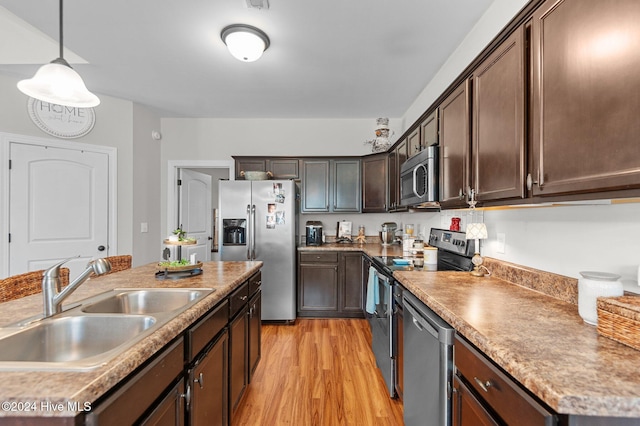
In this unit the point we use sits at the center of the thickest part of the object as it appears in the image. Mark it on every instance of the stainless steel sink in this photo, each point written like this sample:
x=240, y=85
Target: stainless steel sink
x=145, y=301
x=72, y=339
x=89, y=335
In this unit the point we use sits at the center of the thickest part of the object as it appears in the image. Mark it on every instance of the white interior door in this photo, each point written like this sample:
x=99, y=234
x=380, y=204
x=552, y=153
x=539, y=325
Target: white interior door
x=58, y=207
x=195, y=213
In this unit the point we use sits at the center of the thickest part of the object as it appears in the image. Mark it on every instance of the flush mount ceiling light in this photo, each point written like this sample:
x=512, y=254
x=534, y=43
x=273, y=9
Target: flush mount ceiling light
x=246, y=43
x=58, y=83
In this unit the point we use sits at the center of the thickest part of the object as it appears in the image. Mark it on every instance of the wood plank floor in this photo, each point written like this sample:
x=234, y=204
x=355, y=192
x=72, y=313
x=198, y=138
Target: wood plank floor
x=318, y=372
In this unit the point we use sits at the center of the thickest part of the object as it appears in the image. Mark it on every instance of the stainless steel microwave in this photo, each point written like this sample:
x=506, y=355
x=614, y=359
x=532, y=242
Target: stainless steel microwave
x=419, y=179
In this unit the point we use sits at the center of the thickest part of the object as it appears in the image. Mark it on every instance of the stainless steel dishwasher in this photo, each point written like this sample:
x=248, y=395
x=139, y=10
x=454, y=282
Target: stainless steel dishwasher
x=428, y=365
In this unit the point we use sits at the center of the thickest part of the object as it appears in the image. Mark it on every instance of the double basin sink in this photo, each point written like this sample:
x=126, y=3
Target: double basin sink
x=96, y=331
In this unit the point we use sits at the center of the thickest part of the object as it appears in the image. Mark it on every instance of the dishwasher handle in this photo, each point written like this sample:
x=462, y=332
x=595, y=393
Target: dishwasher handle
x=420, y=321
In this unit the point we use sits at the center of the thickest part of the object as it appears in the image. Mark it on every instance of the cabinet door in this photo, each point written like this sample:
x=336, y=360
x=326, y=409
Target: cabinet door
x=284, y=168
x=429, y=130
x=374, y=183
x=169, y=411
x=467, y=410
x=318, y=288
x=413, y=141
x=315, y=186
x=585, y=96
x=255, y=330
x=250, y=165
x=498, y=122
x=455, y=144
x=346, y=186
x=209, y=384
x=351, y=285
x=396, y=157
x=238, y=359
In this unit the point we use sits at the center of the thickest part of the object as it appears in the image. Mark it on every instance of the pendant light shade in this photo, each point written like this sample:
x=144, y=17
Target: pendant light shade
x=58, y=83
x=245, y=43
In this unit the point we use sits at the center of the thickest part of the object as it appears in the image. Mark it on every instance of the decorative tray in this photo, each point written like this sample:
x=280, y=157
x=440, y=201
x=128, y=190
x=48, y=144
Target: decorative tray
x=179, y=268
x=180, y=243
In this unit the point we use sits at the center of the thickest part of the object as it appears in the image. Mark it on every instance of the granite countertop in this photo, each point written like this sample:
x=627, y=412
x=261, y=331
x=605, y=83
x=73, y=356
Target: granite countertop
x=527, y=322
x=61, y=387
x=539, y=340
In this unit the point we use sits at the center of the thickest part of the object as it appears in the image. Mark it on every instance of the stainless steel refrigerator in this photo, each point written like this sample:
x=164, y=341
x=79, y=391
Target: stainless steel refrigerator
x=258, y=222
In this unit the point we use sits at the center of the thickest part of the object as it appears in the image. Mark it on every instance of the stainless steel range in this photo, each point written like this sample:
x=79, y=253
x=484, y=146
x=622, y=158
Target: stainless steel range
x=384, y=299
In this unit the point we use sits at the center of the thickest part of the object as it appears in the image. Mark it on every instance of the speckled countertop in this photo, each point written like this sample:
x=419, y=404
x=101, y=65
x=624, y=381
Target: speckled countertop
x=87, y=386
x=527, y=321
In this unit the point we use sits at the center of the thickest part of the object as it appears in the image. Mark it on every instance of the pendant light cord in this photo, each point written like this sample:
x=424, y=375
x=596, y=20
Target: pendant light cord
x=61, y=44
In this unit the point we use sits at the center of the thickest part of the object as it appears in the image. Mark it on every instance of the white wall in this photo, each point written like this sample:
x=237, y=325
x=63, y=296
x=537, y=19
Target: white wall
x=113, y=127
x=218, y=139
x=146, y=187
x=490, y=24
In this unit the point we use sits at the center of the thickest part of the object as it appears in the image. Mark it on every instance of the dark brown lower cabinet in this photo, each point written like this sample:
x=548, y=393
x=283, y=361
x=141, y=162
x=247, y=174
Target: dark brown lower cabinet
x=330, y=284
x=255, y=330
x=209, y=384
x=467, y=410
x=170, y=411
x=238, y=377
x=484, y=395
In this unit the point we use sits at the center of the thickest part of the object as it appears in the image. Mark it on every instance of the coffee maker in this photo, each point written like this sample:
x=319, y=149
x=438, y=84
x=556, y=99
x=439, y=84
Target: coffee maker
x=314, y=233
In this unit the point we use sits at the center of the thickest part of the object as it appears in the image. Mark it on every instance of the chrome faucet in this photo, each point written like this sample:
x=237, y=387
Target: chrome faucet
x=51, y=292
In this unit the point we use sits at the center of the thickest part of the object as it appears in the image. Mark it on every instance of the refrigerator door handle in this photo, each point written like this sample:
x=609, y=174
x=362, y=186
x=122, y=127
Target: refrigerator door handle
x=249, y=232
x=253, y=232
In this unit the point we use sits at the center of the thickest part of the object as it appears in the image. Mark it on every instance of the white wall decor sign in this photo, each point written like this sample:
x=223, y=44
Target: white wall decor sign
x=61, y=121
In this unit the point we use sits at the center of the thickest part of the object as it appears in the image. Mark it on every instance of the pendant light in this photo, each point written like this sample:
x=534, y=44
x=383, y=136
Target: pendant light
x=245, y=43
x=58, y=83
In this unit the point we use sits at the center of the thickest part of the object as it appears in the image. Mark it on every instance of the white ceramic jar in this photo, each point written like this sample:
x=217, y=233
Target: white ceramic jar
x=593, y=285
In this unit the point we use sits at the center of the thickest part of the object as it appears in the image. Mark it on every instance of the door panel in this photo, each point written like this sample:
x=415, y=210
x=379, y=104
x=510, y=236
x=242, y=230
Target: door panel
x=195, y=213
x=58, y=208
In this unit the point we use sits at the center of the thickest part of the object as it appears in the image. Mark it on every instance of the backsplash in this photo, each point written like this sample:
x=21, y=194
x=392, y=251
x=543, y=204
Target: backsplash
x=554, y=285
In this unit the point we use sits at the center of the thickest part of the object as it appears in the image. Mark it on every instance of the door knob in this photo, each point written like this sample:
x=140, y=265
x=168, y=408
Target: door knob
x=101, y=248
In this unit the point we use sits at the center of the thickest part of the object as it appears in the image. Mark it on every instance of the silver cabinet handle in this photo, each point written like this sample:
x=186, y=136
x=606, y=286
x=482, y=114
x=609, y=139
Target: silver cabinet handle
x=199, y=380
x=483, y=385
x=187, y=395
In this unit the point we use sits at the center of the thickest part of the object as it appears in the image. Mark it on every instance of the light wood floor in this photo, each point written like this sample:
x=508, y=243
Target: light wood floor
x=318, y=372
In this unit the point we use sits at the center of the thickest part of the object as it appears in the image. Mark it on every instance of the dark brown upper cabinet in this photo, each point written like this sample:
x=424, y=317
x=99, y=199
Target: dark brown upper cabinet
x=454, y=147
x=375, y=178
x=413, y=142
x=397, y=156
x=586, y=62
x=498, y=153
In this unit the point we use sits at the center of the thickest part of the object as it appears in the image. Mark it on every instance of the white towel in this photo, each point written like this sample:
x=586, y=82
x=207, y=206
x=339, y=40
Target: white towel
x=373, y=292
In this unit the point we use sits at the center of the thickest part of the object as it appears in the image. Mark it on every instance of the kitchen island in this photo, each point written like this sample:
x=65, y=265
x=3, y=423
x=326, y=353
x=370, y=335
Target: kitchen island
x=31, y=395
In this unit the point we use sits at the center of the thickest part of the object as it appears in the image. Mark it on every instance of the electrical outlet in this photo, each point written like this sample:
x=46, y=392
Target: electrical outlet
x=501, y=243
x=144, y=227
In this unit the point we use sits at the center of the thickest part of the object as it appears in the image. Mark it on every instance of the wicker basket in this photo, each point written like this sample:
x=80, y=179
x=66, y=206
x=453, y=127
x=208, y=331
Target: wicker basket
x=619, y=319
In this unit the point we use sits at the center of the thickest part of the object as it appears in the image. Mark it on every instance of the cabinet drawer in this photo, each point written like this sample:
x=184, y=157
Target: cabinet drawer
x=504, y=395
x=207, y=328
x=131, y=400
x=238, y=299
x=319, y=257
x=254, y=283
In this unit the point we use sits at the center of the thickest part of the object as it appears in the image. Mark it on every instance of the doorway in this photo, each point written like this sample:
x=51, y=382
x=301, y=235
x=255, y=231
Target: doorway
x=186, y=179
x=58, y=202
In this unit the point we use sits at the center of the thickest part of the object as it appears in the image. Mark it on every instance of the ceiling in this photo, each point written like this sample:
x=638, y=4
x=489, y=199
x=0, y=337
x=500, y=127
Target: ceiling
x=327, y=59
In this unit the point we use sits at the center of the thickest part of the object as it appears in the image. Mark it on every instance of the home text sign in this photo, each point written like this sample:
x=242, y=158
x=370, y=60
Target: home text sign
x=61, y=121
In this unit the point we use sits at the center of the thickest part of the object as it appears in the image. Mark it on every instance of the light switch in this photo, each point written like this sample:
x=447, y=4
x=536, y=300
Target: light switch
x=144, y=227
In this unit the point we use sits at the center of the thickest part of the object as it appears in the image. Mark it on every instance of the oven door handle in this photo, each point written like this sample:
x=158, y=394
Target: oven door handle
x=387, y=283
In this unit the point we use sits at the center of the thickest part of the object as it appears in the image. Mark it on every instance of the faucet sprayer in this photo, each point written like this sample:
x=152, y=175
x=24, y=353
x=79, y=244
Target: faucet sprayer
x=51, y=292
